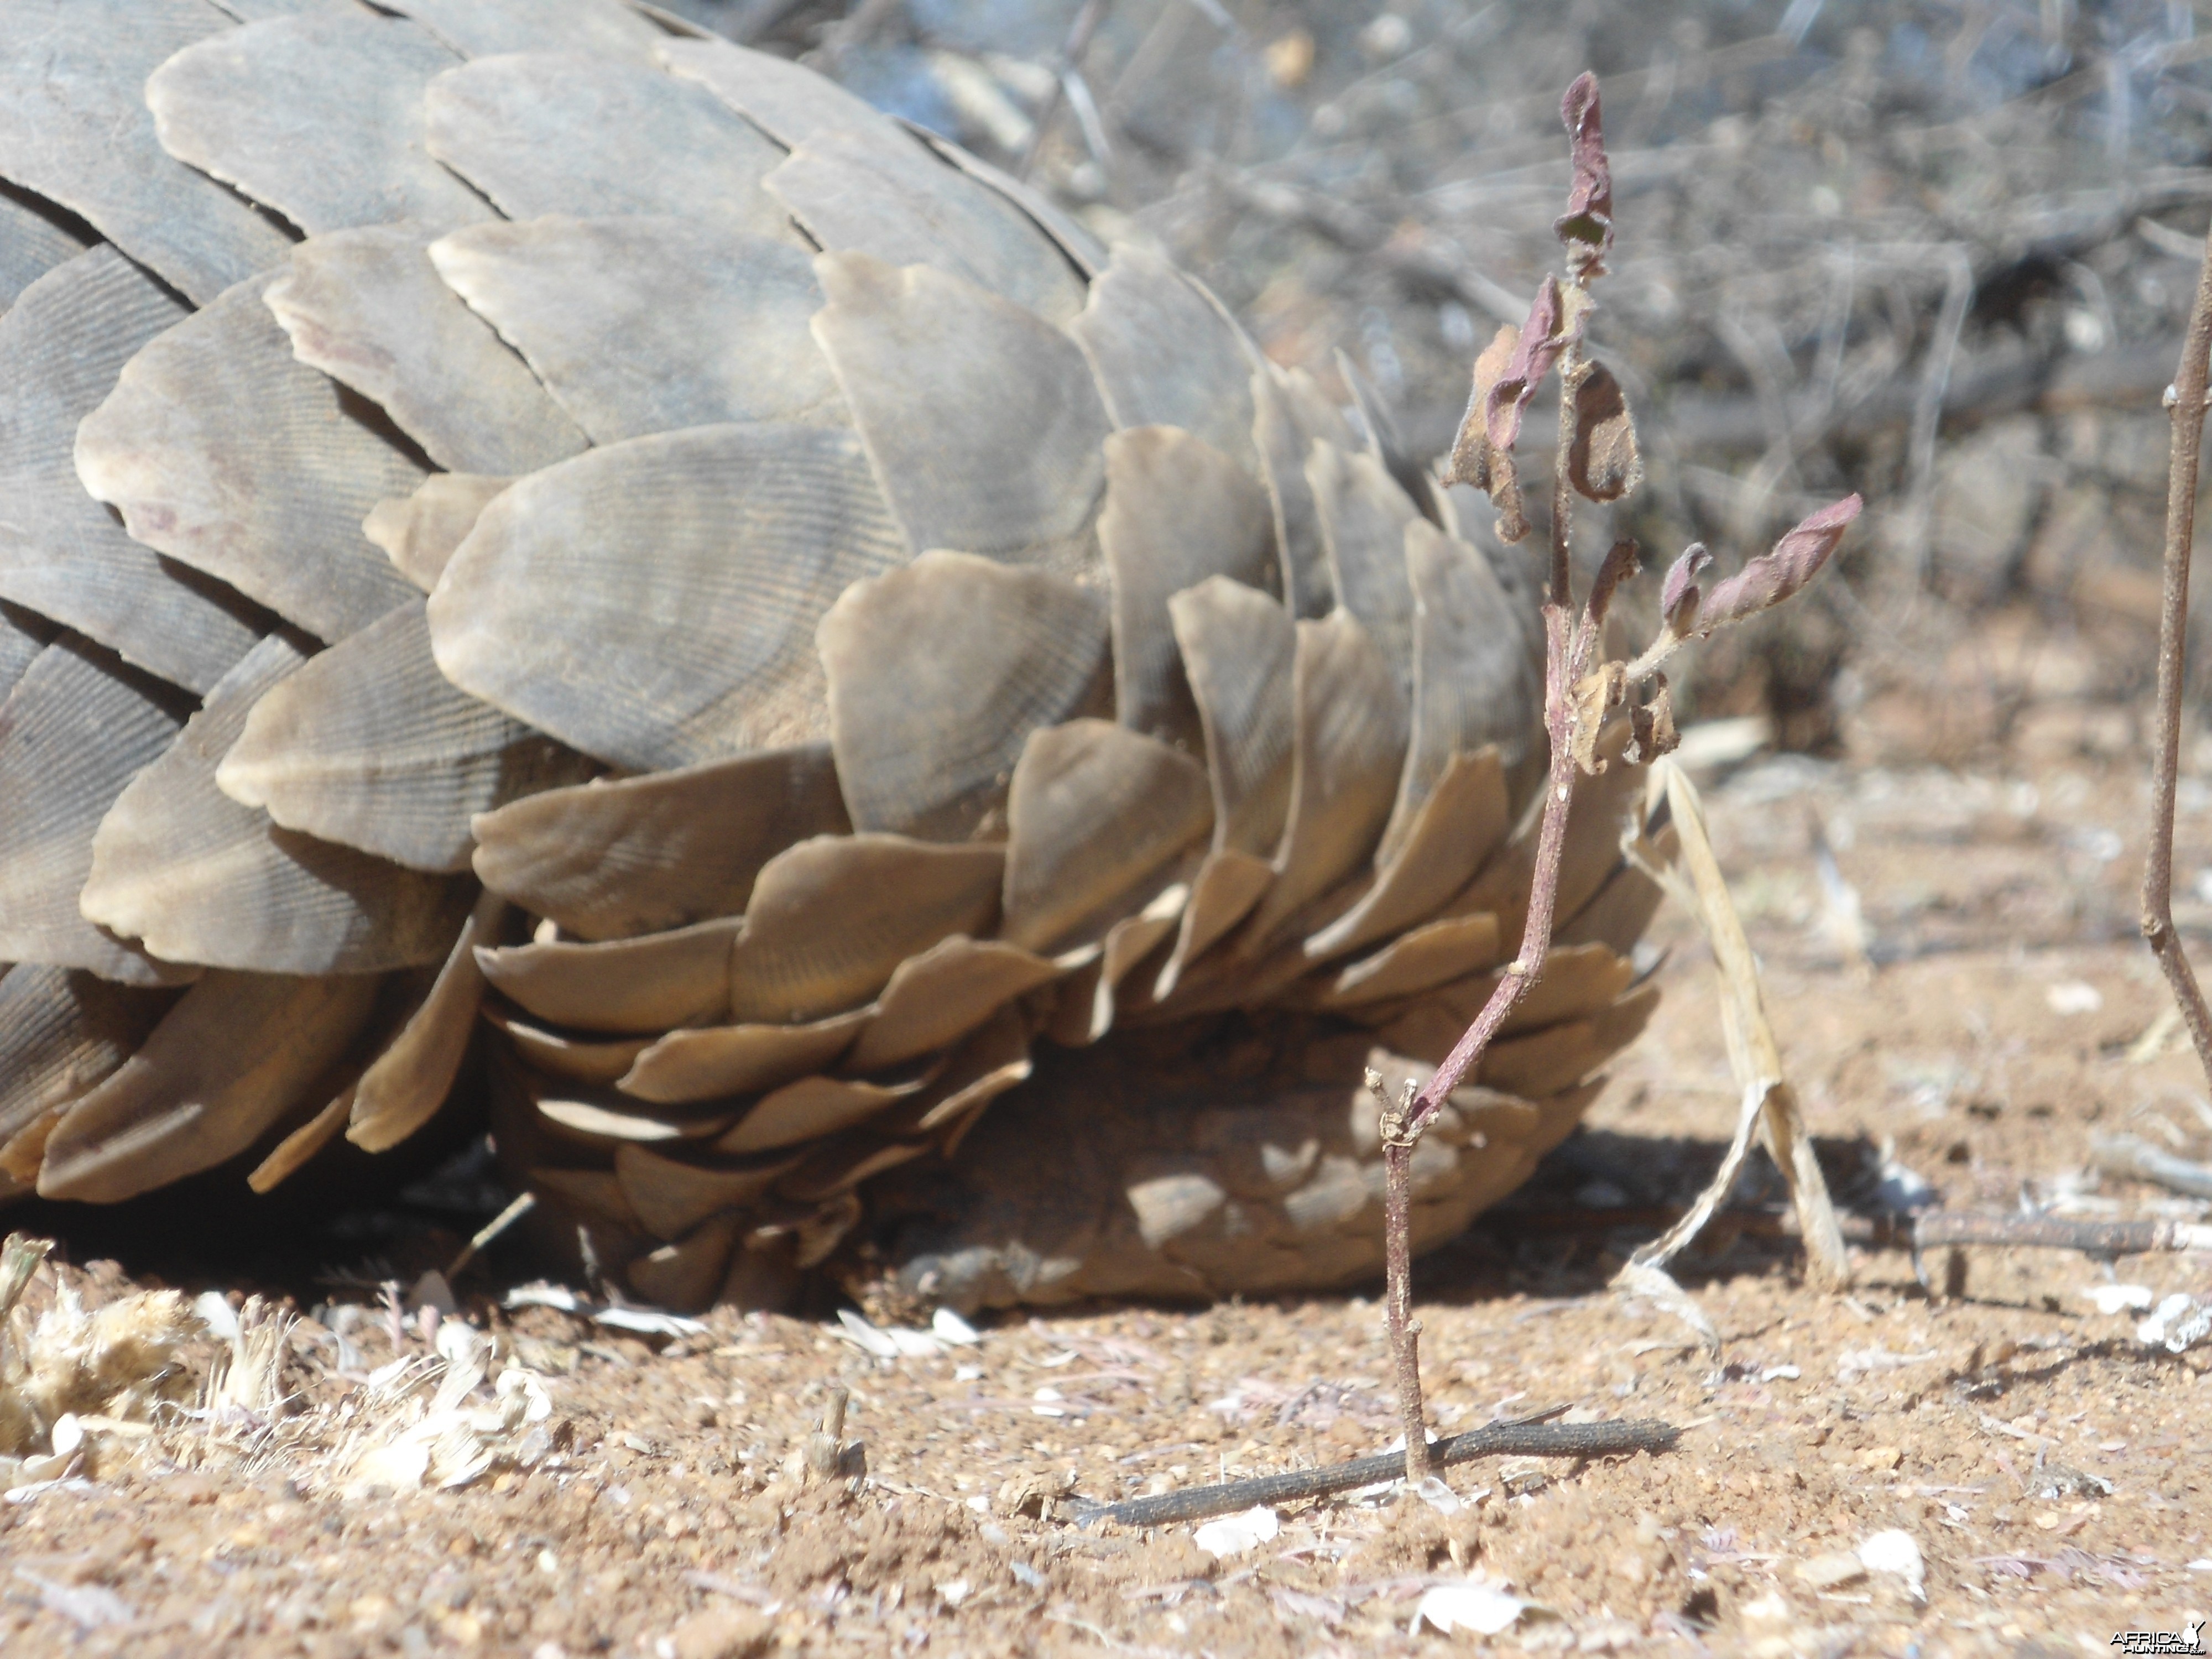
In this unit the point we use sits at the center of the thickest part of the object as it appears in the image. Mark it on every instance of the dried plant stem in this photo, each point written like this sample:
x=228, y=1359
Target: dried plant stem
x=1564, y=648
x=2187, y=400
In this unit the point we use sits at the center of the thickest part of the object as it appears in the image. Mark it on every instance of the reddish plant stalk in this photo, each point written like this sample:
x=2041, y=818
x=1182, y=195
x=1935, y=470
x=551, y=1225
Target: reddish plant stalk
x=1567, y=649
x=2187, y=397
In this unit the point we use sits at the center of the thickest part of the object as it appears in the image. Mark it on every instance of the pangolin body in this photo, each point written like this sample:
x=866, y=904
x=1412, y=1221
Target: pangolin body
x=517, y=519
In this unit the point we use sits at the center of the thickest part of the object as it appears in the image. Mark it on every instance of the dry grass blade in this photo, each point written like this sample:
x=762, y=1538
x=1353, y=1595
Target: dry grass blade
x=19, y=1260
x=1769, y=1103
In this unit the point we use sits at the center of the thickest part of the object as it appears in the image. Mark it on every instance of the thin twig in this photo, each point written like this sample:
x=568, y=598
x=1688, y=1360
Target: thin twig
x=1519, y=976
x=1925, y=1230
x=1523, y=1439
x=1928, y=407
x=1934, y=1228
x=2135, y=1159
x=868, y=19
x=1070, y=64
x=491, y=1230
x=2186, y=398
x=1567, y=652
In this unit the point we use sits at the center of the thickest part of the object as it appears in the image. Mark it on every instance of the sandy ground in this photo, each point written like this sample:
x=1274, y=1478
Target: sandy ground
x=2048, y=1465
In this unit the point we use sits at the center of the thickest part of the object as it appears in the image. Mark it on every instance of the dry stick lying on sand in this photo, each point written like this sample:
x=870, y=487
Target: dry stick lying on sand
x=1925, y=1230
x=1524, y=1436
x=2133, y=1158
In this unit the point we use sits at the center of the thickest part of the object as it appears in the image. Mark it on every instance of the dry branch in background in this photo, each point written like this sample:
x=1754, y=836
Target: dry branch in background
x=2185, y=399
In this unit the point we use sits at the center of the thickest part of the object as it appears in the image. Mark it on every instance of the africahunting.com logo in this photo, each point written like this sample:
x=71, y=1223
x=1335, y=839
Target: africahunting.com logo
x=2188, y=1639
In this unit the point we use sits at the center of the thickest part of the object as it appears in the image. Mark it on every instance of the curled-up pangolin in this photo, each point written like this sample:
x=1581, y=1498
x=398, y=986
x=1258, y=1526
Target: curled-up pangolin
x=893, y=713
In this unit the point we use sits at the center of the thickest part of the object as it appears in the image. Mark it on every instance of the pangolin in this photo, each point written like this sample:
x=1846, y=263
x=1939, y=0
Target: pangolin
x=553, y=558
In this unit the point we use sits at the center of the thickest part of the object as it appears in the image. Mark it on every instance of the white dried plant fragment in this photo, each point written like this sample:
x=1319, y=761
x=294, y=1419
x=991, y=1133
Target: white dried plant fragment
x=248, y=1379
x=2120, y=1298
x=1235, y=1535
x=894, y=1342
x=1482, y=1609
x=949, y=1327
x=79, y=1372
x=1897, y=1552
x=2177, y=1324
x=444, y=1441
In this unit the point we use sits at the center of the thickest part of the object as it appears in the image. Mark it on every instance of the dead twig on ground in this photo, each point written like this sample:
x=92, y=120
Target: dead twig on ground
x=490, y=1230
x=2133, y=1158
x=1924, y=1230
x=1934, y=1228
x=2186, y=398
x=1525, y=1436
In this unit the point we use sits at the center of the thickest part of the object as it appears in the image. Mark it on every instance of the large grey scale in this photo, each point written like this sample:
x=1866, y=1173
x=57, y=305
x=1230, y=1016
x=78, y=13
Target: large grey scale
x=519, y=522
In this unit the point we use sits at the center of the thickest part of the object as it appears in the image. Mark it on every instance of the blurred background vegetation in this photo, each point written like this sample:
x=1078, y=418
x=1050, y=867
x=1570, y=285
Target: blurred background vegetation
x=1939, y=252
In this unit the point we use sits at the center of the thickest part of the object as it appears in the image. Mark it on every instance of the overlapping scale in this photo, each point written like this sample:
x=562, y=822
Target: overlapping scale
x=1348, y=747
x=648, y=324
x=478, y=28
x=861, y=191
x=63, y=1031
x=236, y=1054
x=318, y=116
x=223, y=450
x=368, y=744
x=367, y=307
x=1165, y=354
x=73, y=731
x=201, y=879
x=1290, y=416
x=62, y=553
x=620, y=857
x=1364, y=516
x=31, y=243
x=75, y=128
x=653, y=602
x=981, y=420
x=788, y=103
x=419, y=533
x=938, y=672
x=680, y=977
x=507, y=125
x=1178, y=512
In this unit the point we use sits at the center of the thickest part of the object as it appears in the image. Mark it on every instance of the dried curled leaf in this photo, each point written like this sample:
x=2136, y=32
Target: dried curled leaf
x=1535, y=350
x=1602, y=463
x=1651, y=731
x=1622, y=562
x=1680, y=596
x=1597, y=693
x=1471, y=452
x=1555, y=322
x=1775, y=576
x=1587, y=228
